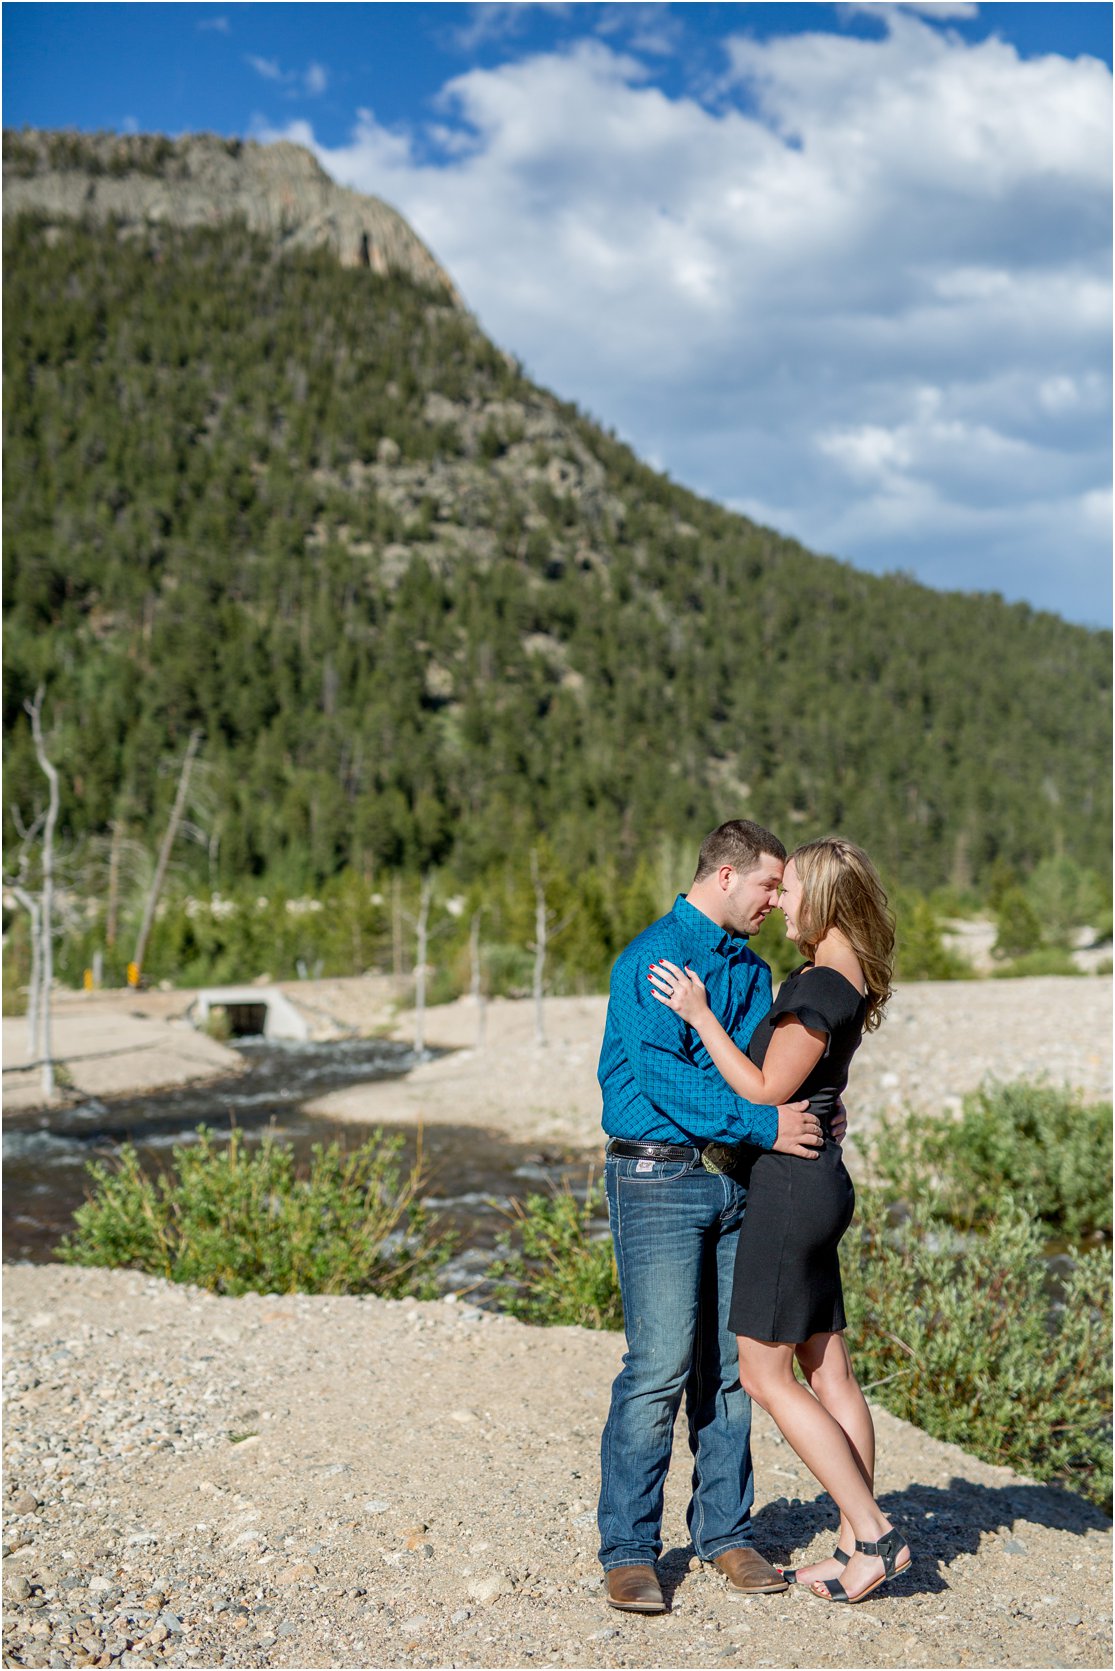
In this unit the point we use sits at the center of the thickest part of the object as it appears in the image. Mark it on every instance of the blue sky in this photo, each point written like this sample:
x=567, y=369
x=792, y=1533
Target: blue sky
x=845, y=268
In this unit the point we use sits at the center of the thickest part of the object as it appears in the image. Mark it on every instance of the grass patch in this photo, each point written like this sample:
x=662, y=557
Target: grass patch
x=236, y=1220
x=1045, y=960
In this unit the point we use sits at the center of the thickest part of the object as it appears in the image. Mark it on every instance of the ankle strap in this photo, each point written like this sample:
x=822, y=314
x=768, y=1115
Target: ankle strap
x=883, y=1544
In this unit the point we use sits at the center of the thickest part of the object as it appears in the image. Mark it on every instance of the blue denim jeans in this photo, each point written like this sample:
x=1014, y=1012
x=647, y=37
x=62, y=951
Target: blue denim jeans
x=675, y=1228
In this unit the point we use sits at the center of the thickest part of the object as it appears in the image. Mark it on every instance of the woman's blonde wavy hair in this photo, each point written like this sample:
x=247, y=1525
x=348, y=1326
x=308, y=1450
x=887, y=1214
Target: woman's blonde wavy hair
x=840, y=888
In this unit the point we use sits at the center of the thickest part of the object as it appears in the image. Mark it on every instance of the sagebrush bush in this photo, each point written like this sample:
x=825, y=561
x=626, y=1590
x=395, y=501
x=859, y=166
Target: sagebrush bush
x=957, y=1333
x=1034, y=1141
x=563, y=1271
x=234, y=1219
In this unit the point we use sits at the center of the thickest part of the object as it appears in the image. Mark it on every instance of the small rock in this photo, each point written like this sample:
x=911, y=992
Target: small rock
x=419, y=1529
x=375, y=1506
x=415, y=1626
x=459, y=1617
x=25, y=1502
x=1015, y=1546
x=16, y=1587
x=489, y=1588
x=286, y=1628
x=292, y=1575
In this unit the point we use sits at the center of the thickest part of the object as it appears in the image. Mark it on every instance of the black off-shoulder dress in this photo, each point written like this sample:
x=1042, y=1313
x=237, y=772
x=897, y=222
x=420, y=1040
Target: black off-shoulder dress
x=787, y=1275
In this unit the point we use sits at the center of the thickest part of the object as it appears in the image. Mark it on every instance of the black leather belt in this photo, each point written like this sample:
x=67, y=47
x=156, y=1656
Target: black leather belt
x=653, y=1151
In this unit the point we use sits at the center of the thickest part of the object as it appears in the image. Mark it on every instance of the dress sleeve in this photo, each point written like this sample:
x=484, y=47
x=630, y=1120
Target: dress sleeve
x=820, y=999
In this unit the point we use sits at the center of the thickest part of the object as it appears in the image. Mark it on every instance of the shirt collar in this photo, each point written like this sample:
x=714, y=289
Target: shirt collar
x=709, y=935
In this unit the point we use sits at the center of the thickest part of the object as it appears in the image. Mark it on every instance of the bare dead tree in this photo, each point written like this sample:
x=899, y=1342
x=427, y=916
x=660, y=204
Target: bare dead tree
x=477, y=982
x=540, y=925
x=544, y=932
x=46, y=896
x=117, y=828
x=422, y=932
x=164, y=852
x=18, y=882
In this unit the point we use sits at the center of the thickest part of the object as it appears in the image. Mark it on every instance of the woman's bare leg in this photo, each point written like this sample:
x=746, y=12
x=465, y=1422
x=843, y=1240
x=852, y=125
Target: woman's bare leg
x=767, y=1373
x=827, y=1369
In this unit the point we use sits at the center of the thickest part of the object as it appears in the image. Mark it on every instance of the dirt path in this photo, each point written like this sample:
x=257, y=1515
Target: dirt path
x=301, y=1481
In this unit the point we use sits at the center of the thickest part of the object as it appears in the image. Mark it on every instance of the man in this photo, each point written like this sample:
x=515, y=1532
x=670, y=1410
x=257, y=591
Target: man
x=675, y=1223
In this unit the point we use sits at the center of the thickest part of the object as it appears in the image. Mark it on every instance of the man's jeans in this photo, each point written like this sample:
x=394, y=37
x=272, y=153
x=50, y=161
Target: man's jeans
x=675, y=1228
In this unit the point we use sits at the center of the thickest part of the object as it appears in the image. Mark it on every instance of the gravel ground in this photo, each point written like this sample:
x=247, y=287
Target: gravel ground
x=305, y=1481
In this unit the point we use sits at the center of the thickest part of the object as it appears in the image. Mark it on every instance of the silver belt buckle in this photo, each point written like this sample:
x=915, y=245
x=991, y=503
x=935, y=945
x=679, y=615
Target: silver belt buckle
x=718, y=1157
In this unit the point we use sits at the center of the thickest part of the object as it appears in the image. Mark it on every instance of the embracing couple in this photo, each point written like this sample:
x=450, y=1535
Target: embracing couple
x=727, y=1197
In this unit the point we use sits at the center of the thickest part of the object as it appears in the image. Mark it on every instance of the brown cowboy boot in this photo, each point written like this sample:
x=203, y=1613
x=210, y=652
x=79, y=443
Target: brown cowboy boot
x=634, y=1590
x=748, y=1574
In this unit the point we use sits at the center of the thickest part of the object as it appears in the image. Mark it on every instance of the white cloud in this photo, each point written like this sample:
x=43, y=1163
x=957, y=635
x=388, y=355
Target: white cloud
x=220, y=24
x=653, y=29
x=268, y=68
x=868, y=299
x=311, y=82
x=941, y=11
x=500, y=20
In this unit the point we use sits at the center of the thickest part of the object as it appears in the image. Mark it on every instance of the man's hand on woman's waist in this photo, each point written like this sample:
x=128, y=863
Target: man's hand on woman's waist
x=799, y=1131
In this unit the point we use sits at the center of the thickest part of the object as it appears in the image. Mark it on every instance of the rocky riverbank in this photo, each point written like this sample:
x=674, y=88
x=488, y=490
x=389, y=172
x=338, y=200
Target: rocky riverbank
x=306, y=1481
x=940, y=1039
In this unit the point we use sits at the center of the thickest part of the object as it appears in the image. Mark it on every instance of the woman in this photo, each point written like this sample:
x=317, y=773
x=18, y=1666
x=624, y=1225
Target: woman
x=787, y=1300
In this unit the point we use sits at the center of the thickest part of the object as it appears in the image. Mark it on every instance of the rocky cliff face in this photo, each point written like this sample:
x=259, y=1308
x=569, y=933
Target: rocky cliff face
x=144, y=181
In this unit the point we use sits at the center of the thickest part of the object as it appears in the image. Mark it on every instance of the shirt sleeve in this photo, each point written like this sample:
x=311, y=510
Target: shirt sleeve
x=689, y=1091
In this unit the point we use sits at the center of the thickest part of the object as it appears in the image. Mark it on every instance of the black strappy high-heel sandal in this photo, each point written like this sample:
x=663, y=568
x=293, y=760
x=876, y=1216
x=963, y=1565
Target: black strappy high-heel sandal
x=791, y=1573
x=886, y=1548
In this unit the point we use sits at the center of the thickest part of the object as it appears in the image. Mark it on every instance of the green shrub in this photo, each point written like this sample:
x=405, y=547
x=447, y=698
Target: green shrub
x=235, y=1220
x=1036, y=1142
x=1066, y=896
x=956, y=1333
x=564, y=1270
x=1042, y=960
x=921, y=953
x=1018, y=928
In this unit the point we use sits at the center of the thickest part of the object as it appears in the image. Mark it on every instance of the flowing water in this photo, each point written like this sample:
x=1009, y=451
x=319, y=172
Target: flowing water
x=472, y=1175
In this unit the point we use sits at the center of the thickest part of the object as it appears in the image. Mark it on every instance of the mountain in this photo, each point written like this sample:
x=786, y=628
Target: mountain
x=424, y=612
x=141, y=183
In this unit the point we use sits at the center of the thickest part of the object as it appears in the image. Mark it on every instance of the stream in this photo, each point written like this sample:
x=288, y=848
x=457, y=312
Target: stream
x=472, y=1176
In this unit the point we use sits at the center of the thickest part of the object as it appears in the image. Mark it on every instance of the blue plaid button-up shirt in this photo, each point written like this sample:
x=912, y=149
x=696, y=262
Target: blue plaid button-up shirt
x=659, y=1083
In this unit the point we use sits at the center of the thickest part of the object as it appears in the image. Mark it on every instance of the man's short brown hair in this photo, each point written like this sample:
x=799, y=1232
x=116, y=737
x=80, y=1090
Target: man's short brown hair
x=738, y=843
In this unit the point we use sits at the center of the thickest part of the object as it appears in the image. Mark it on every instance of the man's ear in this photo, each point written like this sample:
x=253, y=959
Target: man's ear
x=724, y=876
